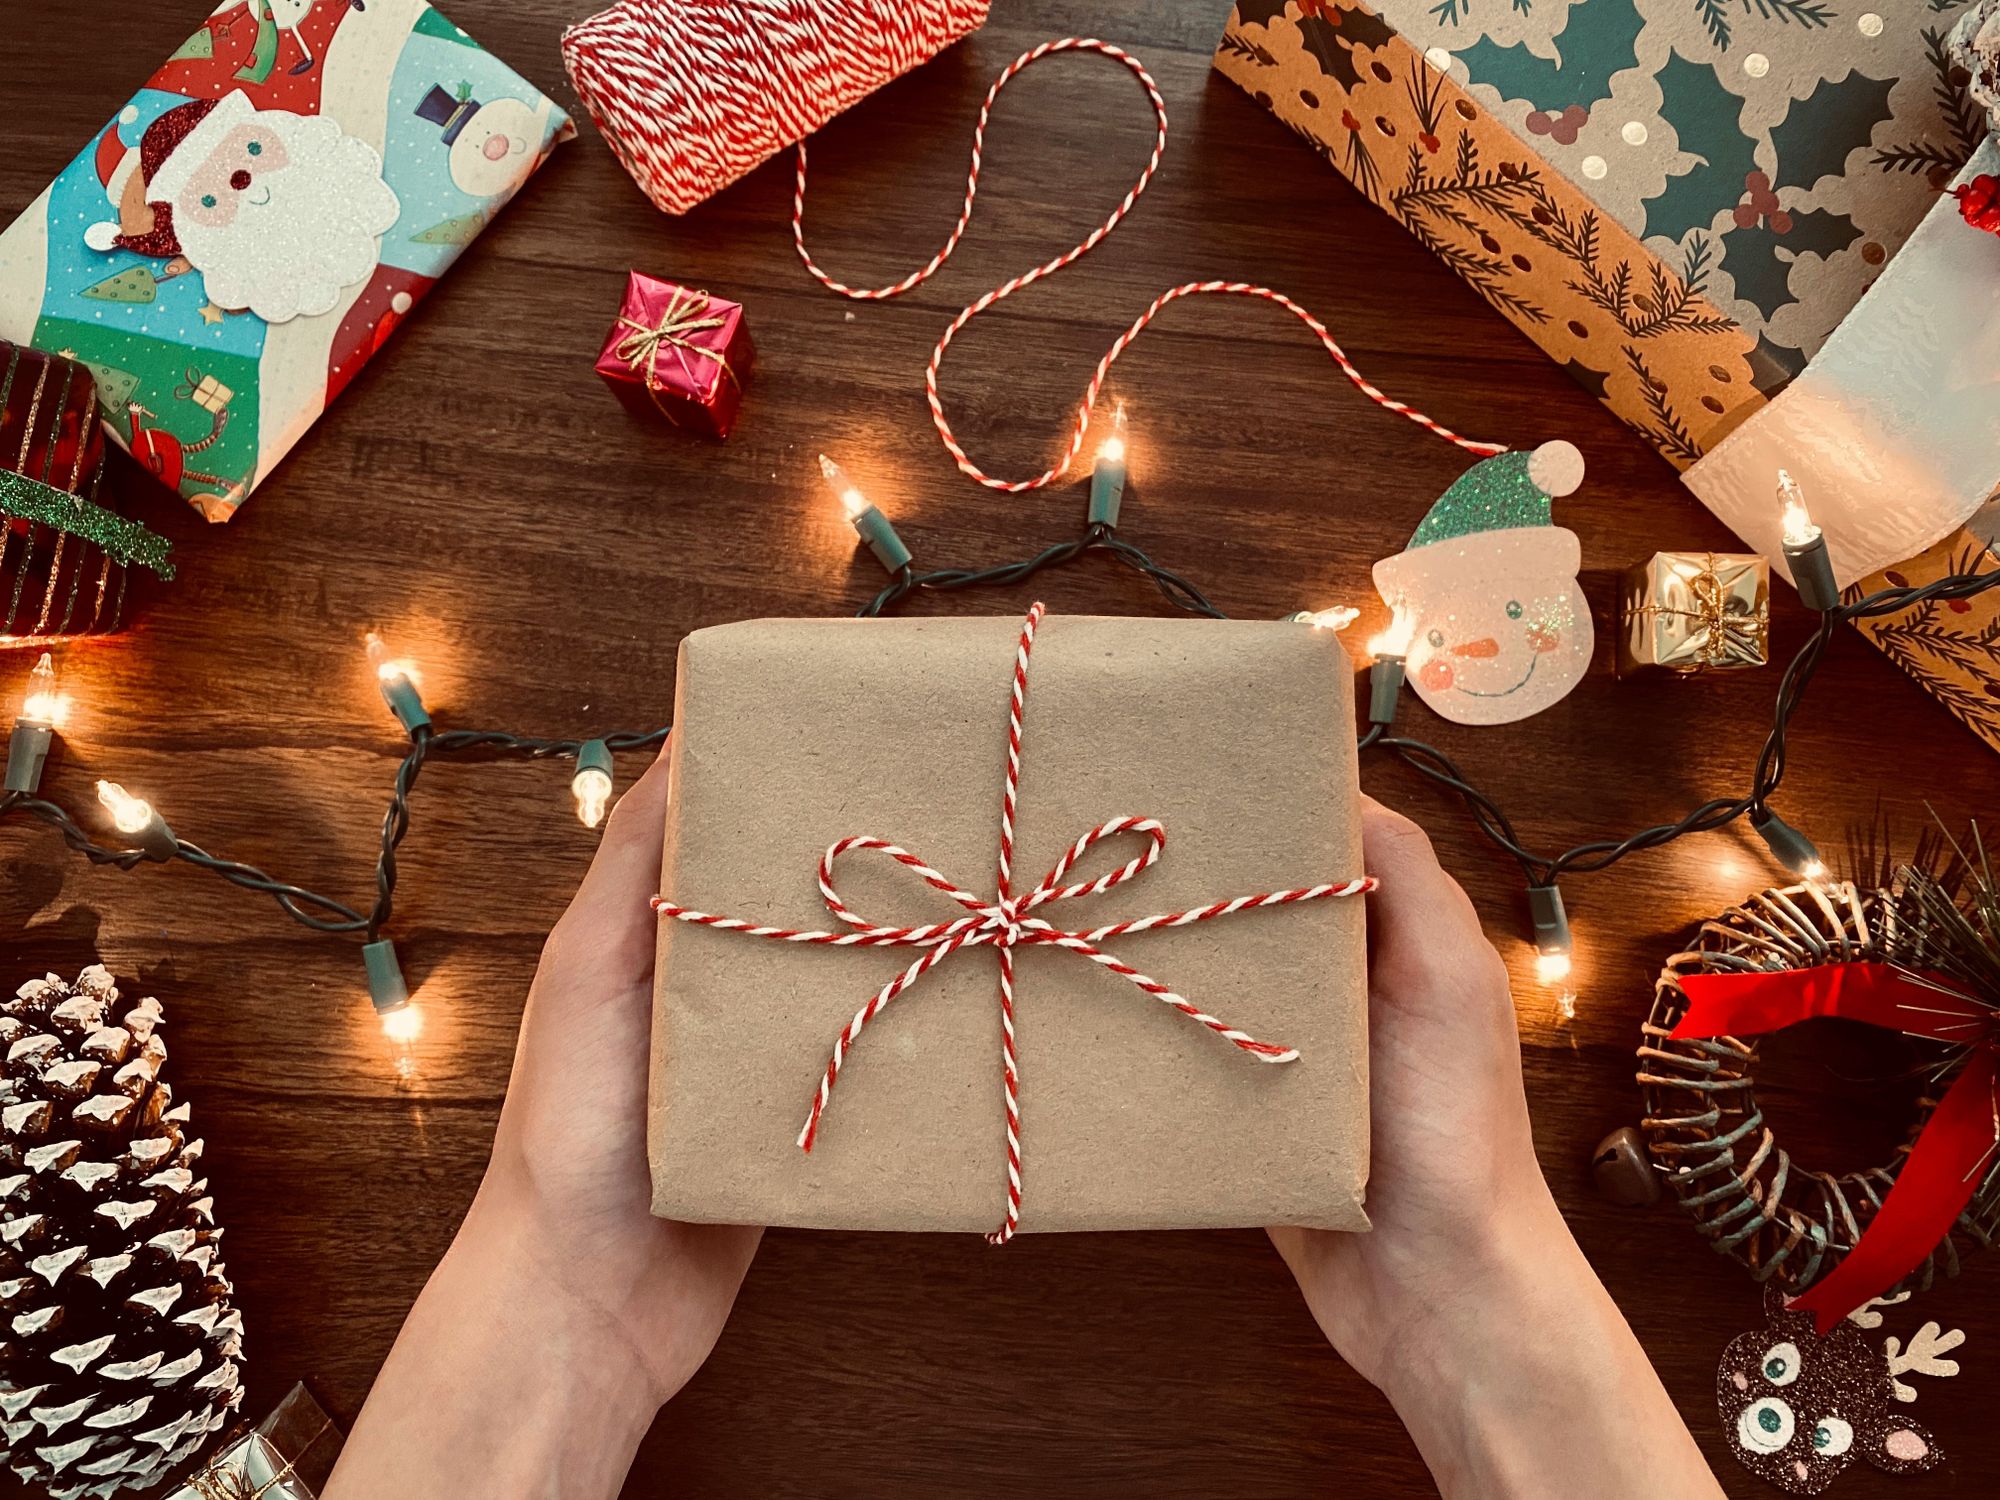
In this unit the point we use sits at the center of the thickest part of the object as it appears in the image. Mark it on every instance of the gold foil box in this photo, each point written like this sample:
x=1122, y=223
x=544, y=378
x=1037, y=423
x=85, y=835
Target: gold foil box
x=1695, y=612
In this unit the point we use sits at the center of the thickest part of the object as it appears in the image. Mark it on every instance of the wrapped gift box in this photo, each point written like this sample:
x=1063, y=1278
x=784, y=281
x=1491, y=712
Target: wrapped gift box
x=288, y=1456
x=238, y=242
x=792, y=734
x=1724, y=221
x=676, y=352
x=64, y=549
x=1695, y=612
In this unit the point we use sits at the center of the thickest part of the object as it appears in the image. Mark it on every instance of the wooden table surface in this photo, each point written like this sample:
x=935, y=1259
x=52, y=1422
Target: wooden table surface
x=479, y=495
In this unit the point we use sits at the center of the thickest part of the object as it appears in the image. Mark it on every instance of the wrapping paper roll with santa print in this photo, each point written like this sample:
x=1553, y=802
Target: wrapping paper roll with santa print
x=1486, y=594
x=230, y=250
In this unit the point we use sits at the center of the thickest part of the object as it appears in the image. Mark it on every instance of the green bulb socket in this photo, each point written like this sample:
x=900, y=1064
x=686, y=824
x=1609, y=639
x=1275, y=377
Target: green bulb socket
x=874, y=529
x=1385, y=686
x=27, y=753
x=406, y=703
x=1107, y=489
x=385, y=977
x=1812, y=575
x=1550, y=921
x=1792, y=849
x=593, y=755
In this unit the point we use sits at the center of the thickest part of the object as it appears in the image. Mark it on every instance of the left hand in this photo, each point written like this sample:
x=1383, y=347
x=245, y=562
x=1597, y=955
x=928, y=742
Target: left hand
x=564, y=1313
x=568, y=1180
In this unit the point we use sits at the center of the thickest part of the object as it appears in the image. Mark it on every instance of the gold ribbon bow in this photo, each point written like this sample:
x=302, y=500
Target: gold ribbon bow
x=680, y=319
x=1710, y=618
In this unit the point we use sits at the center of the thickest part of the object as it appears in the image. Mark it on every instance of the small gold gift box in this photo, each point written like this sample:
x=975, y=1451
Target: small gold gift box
x=1696, y=612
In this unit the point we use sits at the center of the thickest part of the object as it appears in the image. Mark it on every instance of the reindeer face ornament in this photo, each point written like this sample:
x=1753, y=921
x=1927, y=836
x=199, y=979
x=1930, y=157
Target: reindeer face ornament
x=1798, y=1409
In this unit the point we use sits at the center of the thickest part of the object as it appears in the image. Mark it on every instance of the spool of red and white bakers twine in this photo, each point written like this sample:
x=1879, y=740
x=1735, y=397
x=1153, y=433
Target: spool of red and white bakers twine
x=692, y=95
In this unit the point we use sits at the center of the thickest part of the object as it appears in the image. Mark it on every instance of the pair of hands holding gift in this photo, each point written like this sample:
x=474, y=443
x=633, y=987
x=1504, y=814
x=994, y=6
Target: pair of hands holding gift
x=565, y=1314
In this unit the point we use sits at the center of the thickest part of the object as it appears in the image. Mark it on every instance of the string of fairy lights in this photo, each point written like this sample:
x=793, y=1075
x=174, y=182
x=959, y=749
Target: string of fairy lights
x=140, y=835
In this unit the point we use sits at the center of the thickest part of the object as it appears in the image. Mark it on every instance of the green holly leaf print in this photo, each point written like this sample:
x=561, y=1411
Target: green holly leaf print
x=1707, y=123
x=1332, y=35
x=1819, y=131
x=1259, y=12
x=1759, y=259
x=1589, y=51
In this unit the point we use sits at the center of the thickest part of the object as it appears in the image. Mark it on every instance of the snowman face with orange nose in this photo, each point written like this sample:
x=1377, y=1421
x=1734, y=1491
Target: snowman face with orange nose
x=1497, y=628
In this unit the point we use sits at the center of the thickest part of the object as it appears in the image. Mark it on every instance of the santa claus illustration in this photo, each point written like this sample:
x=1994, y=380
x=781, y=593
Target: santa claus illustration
x=277, y=211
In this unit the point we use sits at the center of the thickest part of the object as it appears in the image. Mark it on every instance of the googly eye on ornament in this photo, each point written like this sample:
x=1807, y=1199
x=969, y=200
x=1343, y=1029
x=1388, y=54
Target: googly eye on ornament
x=1500, y=628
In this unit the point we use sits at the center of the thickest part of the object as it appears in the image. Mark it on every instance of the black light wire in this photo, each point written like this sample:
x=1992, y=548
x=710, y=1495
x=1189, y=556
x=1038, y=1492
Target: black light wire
x=325, y=914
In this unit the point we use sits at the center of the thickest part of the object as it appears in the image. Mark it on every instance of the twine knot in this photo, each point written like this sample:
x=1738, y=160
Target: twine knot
x=680, y=320
x=1006, y=922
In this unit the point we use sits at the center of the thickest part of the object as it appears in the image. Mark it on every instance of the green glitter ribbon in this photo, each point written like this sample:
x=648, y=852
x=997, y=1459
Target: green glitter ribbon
x=122, y=539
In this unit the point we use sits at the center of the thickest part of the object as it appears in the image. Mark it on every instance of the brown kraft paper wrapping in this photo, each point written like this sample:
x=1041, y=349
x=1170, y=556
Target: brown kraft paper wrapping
x=793, y=734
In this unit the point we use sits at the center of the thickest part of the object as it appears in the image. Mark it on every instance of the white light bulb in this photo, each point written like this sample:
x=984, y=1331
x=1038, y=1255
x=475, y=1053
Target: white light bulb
x=1334, y=617
x=1552, y=968
x=1800, y=528
x=129, y=814
x=44, y=703
x=403, y=1025
x=1396, y=636
x=845, y=490
x=1112, y=449
x=592, y=789
x=389, y=669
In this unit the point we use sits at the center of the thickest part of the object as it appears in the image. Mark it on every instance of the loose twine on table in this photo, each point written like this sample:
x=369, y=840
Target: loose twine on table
x=1007, y=922
x=1075, y=252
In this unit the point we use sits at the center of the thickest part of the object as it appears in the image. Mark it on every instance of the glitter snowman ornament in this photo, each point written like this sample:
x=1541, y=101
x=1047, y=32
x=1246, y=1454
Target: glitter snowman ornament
x=1491, y=622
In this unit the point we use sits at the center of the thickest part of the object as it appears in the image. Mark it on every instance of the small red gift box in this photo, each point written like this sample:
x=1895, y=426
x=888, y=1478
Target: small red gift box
x=679, y=352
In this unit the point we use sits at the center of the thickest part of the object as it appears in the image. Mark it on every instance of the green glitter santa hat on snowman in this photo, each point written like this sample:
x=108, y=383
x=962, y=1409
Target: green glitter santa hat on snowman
x=1503, y=493
x=1486, y=591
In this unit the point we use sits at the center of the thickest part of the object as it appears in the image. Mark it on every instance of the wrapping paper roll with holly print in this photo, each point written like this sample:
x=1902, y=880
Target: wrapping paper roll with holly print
x=1686, y=207
x=240, y=240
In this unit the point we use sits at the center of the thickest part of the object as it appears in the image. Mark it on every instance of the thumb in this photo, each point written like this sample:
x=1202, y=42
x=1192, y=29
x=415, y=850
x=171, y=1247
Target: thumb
x=1417, y=901
x=610, y=923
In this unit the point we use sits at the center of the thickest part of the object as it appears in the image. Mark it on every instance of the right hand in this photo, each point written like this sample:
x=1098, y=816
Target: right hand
x=1453, y=1177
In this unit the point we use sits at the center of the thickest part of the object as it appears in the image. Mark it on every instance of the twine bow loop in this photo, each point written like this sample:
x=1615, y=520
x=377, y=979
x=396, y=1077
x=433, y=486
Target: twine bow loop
x=1006, y=922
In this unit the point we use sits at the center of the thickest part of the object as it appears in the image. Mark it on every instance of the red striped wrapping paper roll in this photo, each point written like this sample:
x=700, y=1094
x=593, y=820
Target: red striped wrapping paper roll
x=692, y=94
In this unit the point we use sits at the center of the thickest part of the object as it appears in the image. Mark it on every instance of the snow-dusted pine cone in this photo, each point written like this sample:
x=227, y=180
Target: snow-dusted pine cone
x=118, y=1344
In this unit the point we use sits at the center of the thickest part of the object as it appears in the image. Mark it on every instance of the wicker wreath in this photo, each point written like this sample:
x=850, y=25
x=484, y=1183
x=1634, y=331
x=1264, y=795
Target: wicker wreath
x=1707, y=1134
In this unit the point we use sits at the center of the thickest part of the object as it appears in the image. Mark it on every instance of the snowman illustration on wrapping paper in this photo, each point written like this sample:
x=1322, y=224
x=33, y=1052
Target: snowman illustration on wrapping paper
x=494, y=145
x=1488, y=614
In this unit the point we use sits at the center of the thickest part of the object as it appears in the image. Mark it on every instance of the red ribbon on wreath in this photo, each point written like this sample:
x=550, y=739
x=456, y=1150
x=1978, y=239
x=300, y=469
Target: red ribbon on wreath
x=1957, y=1144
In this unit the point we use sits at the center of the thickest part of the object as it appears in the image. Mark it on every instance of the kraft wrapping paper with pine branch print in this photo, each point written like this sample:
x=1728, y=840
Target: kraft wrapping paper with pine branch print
x=1682, y=202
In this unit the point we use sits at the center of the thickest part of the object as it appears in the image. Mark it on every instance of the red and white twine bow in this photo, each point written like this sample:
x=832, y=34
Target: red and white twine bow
x=1008, y=922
